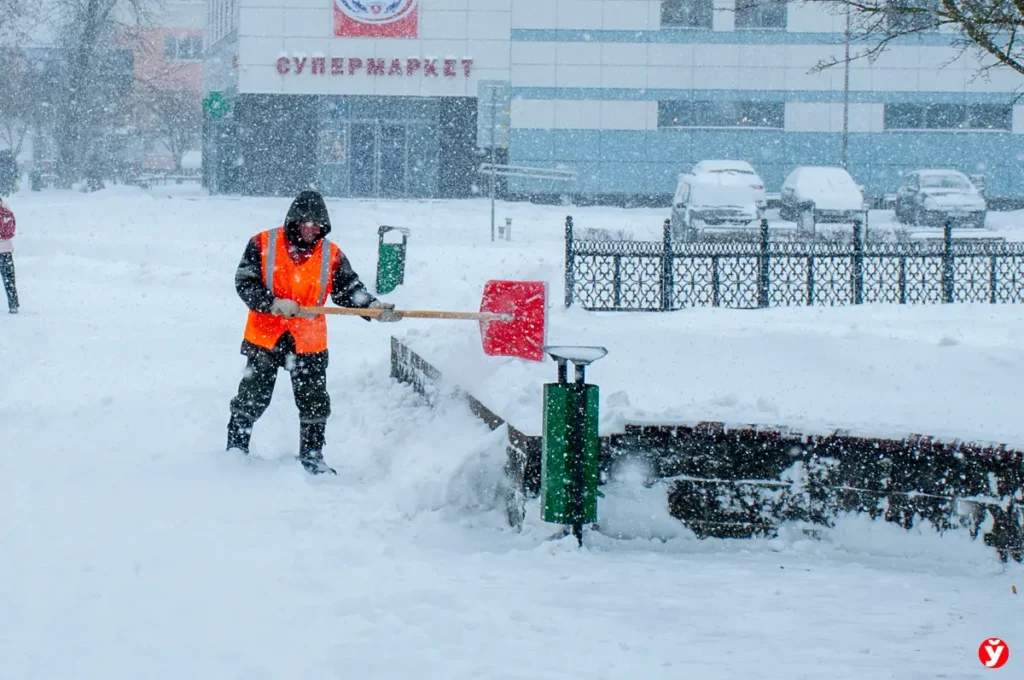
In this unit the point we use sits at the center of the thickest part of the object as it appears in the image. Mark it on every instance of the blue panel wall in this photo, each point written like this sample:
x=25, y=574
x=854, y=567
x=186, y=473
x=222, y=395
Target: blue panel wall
x=648, y=162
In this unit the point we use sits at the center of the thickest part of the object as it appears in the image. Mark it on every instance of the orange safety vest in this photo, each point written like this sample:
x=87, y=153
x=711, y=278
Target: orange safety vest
x=308, y=284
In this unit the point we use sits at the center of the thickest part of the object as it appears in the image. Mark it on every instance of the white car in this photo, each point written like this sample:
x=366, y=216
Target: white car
x=813, y=194
x=711, y=200
x=933, y=197
x=737, y=172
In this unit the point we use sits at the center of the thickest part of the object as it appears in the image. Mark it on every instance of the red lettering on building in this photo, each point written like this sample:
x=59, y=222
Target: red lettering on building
x=374, y=66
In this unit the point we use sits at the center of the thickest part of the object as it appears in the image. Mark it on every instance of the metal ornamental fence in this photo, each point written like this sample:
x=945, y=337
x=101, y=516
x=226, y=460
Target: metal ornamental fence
x=621, y=275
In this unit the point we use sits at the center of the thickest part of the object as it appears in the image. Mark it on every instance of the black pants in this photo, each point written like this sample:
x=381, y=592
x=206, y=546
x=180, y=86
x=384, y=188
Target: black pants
x=7, y=273
x=309, y=388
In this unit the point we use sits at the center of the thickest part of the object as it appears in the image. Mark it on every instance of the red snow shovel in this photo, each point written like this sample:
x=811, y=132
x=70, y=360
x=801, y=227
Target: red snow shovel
x=512, y=318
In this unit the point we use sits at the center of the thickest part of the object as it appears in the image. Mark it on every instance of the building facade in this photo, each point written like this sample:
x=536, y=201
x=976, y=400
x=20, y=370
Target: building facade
x=408, y=97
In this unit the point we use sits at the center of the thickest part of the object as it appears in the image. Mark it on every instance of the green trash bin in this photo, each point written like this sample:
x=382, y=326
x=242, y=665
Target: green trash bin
x=570, y=445
x=559, y=475
x=390, y=260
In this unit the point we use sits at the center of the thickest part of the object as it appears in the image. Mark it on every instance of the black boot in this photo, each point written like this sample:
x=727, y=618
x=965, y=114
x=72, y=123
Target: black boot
x=311, y=443
x=239, y=432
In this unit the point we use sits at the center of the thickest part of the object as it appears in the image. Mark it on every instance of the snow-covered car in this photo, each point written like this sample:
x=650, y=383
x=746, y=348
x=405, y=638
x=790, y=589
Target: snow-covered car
x=710, y=199
x=737, y=172
x=813, y=194
x=933, y=197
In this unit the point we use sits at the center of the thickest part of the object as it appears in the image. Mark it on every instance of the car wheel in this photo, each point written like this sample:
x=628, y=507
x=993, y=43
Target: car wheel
x=807, y=219
x=690, y=230
x=917, y=218
x=677, y=228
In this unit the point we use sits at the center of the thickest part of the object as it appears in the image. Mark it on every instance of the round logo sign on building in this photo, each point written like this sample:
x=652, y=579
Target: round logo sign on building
x=377, y=12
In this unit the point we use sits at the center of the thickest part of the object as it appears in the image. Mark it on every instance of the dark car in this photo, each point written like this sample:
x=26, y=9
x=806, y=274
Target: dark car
x=934, y=197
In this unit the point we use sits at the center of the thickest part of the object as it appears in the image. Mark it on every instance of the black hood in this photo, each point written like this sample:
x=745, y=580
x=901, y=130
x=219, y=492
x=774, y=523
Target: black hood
x=308, y=206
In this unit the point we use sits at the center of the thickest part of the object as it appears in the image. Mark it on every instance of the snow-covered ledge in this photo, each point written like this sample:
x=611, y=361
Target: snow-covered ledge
x=741, y=481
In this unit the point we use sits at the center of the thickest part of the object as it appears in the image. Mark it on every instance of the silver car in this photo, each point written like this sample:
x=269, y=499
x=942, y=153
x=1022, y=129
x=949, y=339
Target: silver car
x=710, y=200
x=735, y=172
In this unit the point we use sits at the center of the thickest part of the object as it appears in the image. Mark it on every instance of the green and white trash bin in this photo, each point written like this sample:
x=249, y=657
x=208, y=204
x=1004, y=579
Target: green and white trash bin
x=570, y=446
x=391, y=260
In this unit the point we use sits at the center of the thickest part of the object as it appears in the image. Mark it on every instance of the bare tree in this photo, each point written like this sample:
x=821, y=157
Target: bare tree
x=15, y=115
x=94, y=75
x=174, y=116
x=993, y=28
x=19, y=96
x=17, y=20
x=28, y=84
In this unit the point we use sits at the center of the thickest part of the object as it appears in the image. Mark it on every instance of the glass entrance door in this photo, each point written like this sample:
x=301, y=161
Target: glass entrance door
x=392, y=148
x=378, y=166
x=363, y=155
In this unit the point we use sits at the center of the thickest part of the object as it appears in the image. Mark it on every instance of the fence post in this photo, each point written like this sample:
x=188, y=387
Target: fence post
x=570, y=261
x=993, y=280
x=947, y=263
x=858, y=263
x=903, y=279
x=762, y=277
x=667, y=268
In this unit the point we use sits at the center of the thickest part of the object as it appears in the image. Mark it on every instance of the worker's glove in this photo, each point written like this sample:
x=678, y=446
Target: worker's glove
x=389, y=315
x=286, y=308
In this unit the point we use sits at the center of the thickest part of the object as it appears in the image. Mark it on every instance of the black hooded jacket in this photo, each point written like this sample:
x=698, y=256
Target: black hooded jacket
x=309, y=206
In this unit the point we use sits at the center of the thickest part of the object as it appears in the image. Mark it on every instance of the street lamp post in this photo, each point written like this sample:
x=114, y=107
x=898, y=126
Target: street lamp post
x=846, y=93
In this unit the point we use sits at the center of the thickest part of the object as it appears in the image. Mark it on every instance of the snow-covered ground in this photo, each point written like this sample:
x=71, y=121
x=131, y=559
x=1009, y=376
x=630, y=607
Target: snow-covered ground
x=132, y=546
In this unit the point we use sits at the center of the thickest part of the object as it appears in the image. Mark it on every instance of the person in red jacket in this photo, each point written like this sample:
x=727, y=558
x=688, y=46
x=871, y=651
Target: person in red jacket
x=7, y=256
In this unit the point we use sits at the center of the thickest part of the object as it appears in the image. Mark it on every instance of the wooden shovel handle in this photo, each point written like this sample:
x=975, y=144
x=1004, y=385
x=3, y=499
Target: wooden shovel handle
x=407, y=313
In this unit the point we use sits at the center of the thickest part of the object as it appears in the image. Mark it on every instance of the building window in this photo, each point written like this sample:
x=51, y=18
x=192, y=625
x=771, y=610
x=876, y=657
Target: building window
x=721, y=114
x=183, y=47
x=221, y=19
x=760, y=13
x=686, y=13
x=948, y=117
x=911, y=16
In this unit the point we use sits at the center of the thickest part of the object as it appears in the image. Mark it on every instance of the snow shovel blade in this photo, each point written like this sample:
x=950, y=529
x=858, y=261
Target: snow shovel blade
x=525, y=334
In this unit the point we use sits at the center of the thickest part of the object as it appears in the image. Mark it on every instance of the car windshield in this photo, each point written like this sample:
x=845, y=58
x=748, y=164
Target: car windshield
x=825, y=181
x=722, y=167
x=734, y=176
x=945, y=182
x=715, y=194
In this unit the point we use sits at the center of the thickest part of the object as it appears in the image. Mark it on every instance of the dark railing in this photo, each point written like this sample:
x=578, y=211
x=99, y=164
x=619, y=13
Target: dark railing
x=621, y=275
